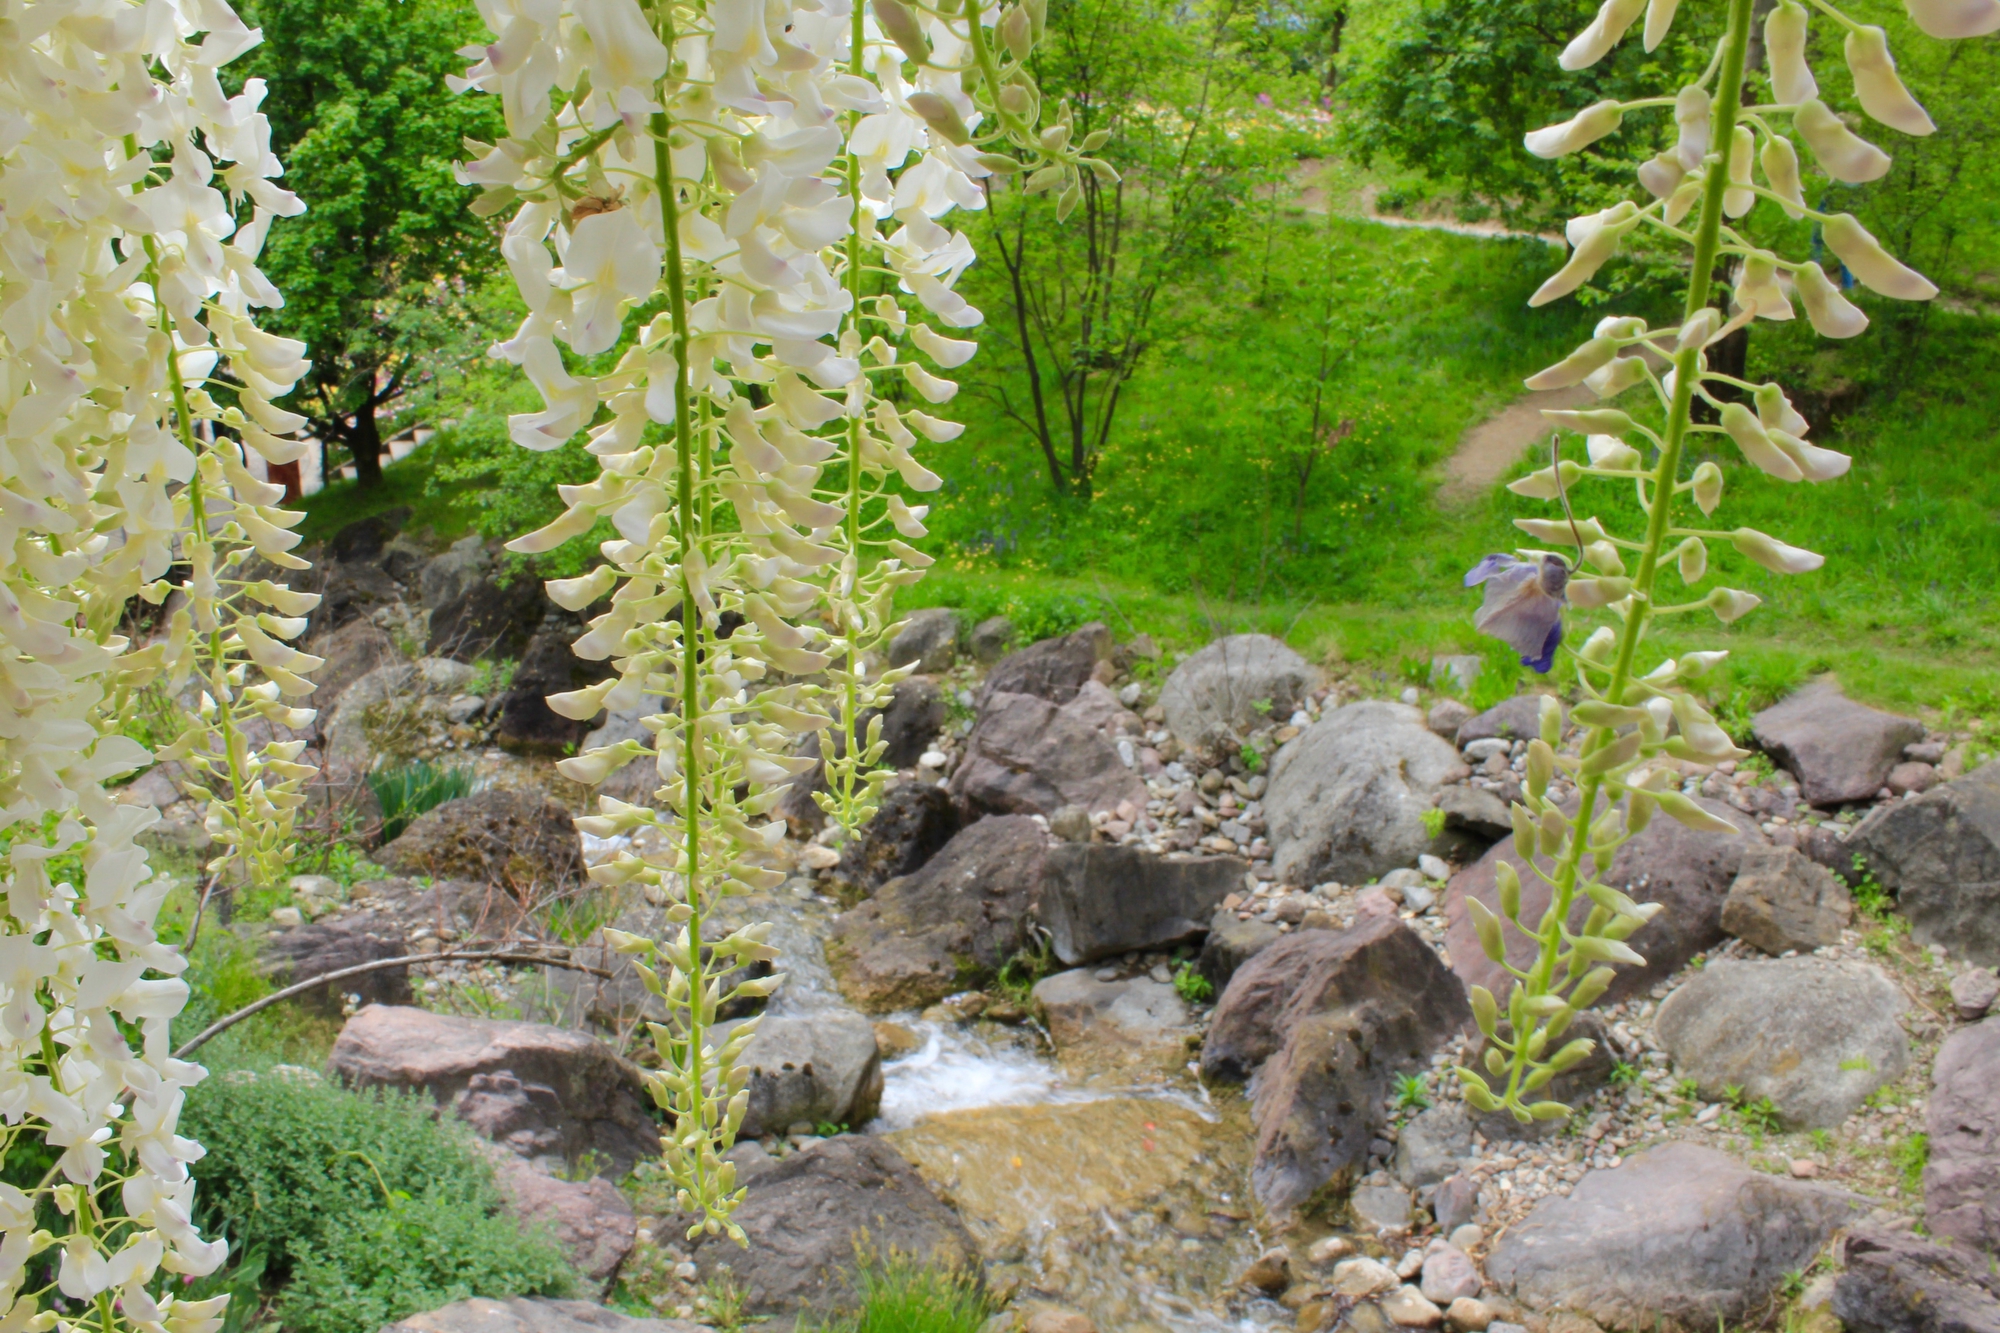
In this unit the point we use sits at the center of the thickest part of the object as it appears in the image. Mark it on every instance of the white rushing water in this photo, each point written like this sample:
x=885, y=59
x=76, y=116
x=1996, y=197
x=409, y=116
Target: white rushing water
x=957, y=1070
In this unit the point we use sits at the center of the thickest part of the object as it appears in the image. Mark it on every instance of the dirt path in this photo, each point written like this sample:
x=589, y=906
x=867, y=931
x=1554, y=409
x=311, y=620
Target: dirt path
x=1486, y=451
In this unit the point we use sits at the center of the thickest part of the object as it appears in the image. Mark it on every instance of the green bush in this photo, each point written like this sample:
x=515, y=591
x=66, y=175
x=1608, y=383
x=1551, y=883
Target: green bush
x=368, y=1206
x=409, y=790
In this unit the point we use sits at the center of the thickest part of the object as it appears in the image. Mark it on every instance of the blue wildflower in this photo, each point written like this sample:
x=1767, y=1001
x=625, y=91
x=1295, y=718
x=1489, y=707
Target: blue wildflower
x=1524, y=605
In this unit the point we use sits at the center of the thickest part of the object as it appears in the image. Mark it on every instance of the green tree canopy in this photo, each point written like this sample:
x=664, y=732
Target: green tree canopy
x=375, y=273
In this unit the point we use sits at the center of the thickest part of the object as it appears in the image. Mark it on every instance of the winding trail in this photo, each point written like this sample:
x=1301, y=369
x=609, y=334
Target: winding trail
x=1486, y=451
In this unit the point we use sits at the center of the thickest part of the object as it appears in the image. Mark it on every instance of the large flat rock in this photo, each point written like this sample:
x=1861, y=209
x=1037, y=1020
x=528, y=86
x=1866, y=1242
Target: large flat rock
x=1029, y=756
x=1347, y=798
x=1100, y=899
x=1233, y=686
x=1839, y=750
x=1679, y=1237
x=1814, y=1035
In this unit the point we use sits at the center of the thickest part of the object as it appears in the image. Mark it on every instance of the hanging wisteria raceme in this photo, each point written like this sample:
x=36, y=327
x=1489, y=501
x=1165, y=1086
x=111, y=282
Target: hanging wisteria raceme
x=127, y=288
x=1637, y=722
x=746, y=195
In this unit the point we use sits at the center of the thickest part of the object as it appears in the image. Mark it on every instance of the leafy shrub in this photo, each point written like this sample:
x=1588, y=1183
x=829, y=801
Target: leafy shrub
x=1192, y=986
x=409, y=790
x=364, y=1202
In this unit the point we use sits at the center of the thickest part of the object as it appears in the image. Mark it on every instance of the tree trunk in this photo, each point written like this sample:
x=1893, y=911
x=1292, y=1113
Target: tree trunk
x=364, y=442
x=286, y=475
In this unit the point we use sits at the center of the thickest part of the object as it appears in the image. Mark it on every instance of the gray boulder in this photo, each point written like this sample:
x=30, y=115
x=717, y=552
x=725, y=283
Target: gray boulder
x=1211, y=699
x=486, y=618
x=1782, y=899
x=950, y=925
x=815, y=1068
x=1026, y=756
x=1962, y=1181
x=534, y=1314
x=809, y=1216
x=1318, y=1023
x=989, y=639
x=512, y=838
x=1689, y=873
x=929, y=638
x=1896, y=1282
x=535, y=1090
x=1097, y=708
x=1814, y=1035
x=1098, y=899
x=1515, y=719
x=1232, y=943
x=913, y=823
x=1941, y=853
x=1680, y=1236
x=1346, y=798
x=915, y=715
x=1475, y=812
x=314, y=950
x=351, y=652
x=1053, y=669
x=1131, y=1025
x=448, y=575
x=1433, y=1144
x=1839, y=750
x=362, y=723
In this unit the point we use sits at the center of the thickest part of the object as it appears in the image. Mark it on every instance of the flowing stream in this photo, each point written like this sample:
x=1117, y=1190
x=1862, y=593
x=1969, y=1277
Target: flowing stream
x=1127, y=1203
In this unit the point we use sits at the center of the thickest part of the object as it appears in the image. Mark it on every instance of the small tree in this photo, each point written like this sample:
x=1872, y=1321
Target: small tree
x=376, y=273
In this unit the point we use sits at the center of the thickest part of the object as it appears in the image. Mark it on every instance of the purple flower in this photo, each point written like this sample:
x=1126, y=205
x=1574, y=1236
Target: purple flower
x=1524, y=605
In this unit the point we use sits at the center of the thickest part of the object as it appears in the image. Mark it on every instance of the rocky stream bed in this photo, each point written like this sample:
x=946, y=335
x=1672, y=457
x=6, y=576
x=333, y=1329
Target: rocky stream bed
x=1139, y=996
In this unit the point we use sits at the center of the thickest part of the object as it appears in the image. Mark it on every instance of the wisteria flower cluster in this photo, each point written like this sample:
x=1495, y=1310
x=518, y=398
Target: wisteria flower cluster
x=132, y=380
x=1724, y=158
x=742, y=201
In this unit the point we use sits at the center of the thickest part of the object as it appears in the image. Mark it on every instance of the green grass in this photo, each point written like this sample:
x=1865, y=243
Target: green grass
x=448, y=511
x=900, y=1296
x=409, y=790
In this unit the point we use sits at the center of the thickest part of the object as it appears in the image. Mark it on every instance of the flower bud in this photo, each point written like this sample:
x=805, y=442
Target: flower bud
x=1700, y=327
x=1016, y=100
x=941, y=116
x=1781, y=172
x=1488, y=927
x=903, y=29
x=1485, y=1010
x=1623, y=373
x=1952, y=19
x=1583, y=129
x=1595, y=238
x=1541, y=767
x=1882, y=94
x=1776, y=411
x=1785, y=51
x=1659, y=18
x=1599, y=646
x=1558, y=532
x=1773, y=554
x=1589, y=593
x=1757, y=288
x=1549, y=719
x=1604, y=32
x=1731, y=605
x=1692, y=556
x=1524, y=832
x=1868, y=261
x=1608, y=451
x=1661, y=175
x=1707, y=487
x=1816, y=463
x=1553, y=830
x=1691, y=115
x=1683, y=201
x=1737, y=199
x=1831, y=313
x=1845, y=156
x=1017, y=32
x=1592, y=421
x=1603, y=557
x=1573, y=368
x=1543, y=484
x=1756, y=444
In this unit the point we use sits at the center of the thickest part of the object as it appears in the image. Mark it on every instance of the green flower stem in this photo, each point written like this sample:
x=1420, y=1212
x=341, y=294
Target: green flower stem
x=1686, y=368
x=846, y=775
x=685, y=445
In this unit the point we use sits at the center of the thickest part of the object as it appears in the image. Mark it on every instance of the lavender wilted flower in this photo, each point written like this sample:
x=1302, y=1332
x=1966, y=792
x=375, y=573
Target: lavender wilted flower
x=1524, y=604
